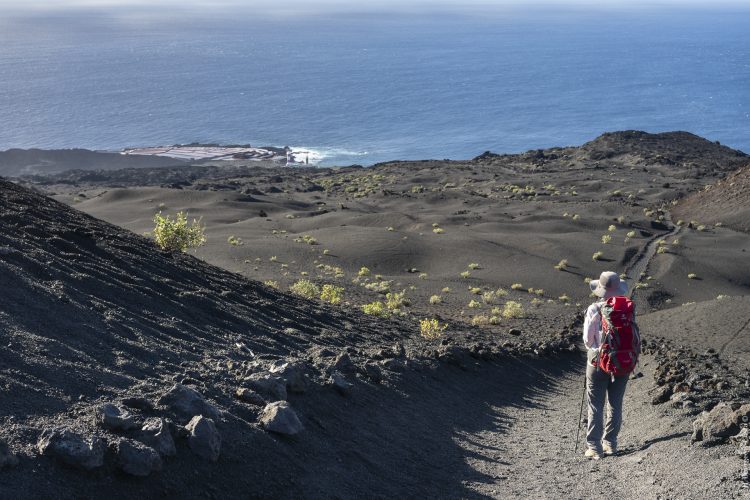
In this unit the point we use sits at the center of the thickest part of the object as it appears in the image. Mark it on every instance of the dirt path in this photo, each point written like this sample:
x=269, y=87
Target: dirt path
x=534, y=455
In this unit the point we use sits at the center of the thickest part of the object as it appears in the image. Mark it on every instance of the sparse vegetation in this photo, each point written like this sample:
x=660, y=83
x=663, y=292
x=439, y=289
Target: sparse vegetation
x=516, y=286
x=435, y=299
x=376, y=309
x=513, y=309
x=234, y=241
x=332, y=294
x=692, y=276
x=562, y=265
x=272, y=284
x=431, y=329
x=305, y=288
x=465, y=274
x=363, y=271
x=597, y=255
x=474, y=265
x=473, y=304
x=176, y=234
x=606, y=238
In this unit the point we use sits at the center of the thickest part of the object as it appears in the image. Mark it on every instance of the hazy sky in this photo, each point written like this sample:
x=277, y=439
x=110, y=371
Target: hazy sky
x=347, y=5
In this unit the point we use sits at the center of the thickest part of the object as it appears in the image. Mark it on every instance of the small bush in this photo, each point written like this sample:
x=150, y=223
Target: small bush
x=435, y=299
x=175, y=234
x=516, y=286
x=363, y=271
x=597, y=255
x=631, y=234
x=562, y=265
x=612, y=228
x=375, y=309
x=431, y=329
x=661, y=250
x=272, y=284
x=606, y=238
x=332, y=294
x=395, y=300
x=446, y=289
x=692, y=276
x=305, y=288
x=235, y=241
x=564, y=298
x=475, y=290
x=513, y=309
x=438, y=230
x=473, y=304
x=480, y=319
x=423, y=276
x=474, y=265
x=465, y=274
x=309, y=240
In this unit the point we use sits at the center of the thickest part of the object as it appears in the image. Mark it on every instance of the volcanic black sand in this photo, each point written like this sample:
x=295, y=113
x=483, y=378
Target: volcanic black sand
x=94, y=313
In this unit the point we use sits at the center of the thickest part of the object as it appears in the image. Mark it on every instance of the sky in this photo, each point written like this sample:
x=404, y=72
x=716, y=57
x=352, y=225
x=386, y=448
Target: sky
x=343, y=5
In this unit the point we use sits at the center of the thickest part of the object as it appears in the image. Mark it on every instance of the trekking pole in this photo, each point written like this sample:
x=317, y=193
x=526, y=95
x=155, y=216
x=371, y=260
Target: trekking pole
x=580, y=414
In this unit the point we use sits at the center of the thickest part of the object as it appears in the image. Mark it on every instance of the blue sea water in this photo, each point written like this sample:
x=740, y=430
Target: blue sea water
x=365, y=88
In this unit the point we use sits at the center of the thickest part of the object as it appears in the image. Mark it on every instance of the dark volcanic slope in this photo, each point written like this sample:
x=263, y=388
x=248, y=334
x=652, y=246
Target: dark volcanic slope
x=14, y=162
x=88, y=307
x=727, y=202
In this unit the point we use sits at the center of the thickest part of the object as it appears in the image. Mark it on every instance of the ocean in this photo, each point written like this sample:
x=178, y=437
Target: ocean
x=361, y=88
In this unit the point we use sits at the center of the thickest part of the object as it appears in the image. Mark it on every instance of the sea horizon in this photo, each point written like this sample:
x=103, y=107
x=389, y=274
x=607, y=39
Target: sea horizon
x=356, y=88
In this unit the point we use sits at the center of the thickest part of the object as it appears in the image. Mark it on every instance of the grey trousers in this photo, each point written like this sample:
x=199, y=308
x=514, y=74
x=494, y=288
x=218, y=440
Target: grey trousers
x=600, y=389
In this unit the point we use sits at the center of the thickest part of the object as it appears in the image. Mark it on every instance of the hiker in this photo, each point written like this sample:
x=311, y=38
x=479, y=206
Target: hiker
x=613, y=344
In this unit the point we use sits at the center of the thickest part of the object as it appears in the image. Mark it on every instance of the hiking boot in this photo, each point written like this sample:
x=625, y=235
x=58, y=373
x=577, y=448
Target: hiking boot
x=609, y=449
x=592, y=454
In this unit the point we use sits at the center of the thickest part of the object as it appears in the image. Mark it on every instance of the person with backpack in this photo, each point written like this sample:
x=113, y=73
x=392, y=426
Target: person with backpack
x=613, y=344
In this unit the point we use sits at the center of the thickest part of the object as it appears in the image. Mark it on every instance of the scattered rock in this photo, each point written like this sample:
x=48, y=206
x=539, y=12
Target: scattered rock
x=250, y=396
x=136, y=458
x=114, y=418
x=339, y=382
x=661, y=395
x=204, y=438
x=280, y=418
x=292, y=373
x=72, y=448
x=742, y=415
x=187, y=402
x=155, y=433
x=139, y=403
x=719, y=423
x=7, y=457
x=271, y=386
x=392, y=364
x=373, y=372
x=343, y=363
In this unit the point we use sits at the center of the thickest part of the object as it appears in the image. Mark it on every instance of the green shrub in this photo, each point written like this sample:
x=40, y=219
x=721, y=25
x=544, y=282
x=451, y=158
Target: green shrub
x=305, y=288
x=175, y=234
x=606, y=238
x=332, y=294
x=394, y=301
x=431, y=329
x=435, y=299
x=597, y=255
x=363, y=271
x=562, y=265
x=474, y=265
x=375, y=309
x=272, y=284
x=516, y=286
x=513, y=309
x=235, y=241
x=465, y=274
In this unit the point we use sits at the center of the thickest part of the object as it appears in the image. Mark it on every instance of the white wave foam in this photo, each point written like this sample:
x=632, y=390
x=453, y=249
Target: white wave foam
x=301, y=155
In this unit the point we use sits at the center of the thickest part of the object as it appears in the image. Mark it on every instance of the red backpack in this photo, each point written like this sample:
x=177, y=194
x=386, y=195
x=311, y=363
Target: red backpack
x=621, y=340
